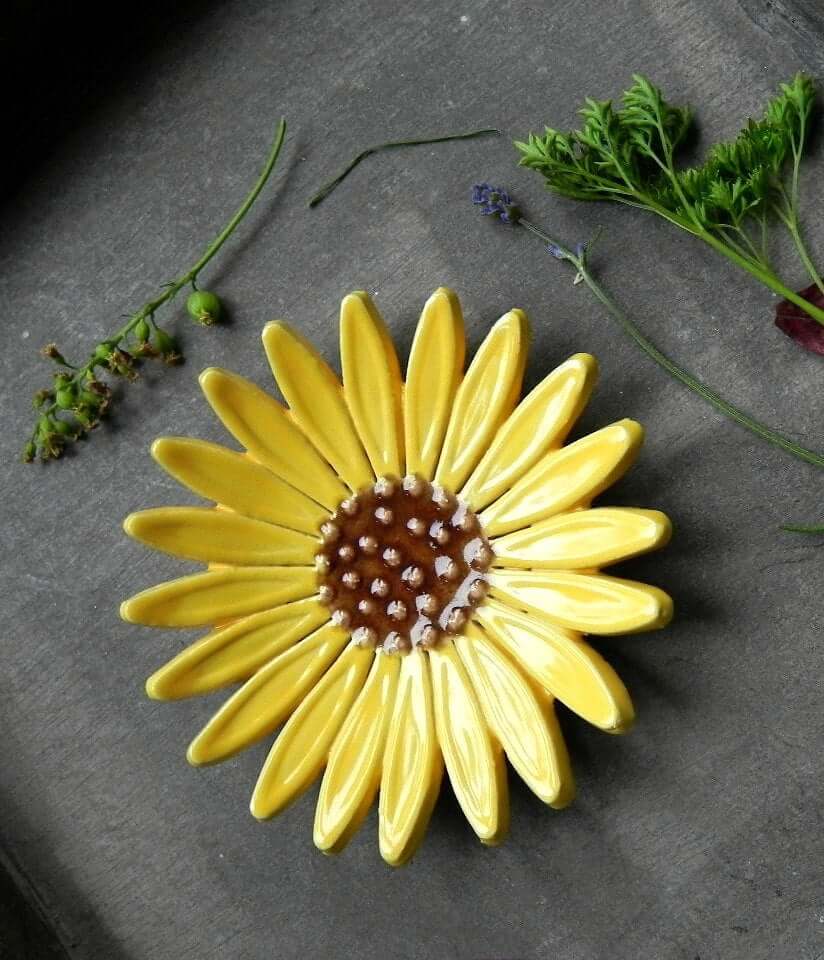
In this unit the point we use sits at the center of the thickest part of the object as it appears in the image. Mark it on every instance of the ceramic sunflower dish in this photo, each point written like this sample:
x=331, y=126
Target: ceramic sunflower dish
x=400, y=574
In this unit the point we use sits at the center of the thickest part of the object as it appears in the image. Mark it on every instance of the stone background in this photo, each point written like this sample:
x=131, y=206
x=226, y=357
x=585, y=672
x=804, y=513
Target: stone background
x=699, y=835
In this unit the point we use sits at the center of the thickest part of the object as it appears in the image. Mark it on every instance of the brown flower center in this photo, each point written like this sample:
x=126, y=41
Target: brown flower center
x=402, y=563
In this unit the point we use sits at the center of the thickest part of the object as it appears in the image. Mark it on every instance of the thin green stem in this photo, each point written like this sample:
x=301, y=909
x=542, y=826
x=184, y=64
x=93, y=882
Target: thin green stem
x=327, y=188
x=146, y=312
x=788, y=215
x=803, y=253
x=750, y=254
x=703, y=391
x=757, y=256
x=801, y=528
x=669, y=169
x=767, y=277
x=618, y=165
x=173, y=288
x=765, y=256
x=798, y=148
x=683, y=376
x=243, y=209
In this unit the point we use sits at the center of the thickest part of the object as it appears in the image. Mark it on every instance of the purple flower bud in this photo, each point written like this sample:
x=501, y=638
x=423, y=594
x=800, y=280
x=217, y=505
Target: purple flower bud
x=494, y=201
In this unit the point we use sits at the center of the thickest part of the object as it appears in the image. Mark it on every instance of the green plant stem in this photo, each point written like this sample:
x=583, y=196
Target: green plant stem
x=753, y=265
x=803, y=253
x=146, y=312
x=703, y=391
x=767, y=277
x=191, y=275
x=800, y=528
x=790, y=221
x=788, y=215
x=327, y=188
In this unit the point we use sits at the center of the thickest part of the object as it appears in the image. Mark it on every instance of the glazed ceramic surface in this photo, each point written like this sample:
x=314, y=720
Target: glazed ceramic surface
x=401, y=574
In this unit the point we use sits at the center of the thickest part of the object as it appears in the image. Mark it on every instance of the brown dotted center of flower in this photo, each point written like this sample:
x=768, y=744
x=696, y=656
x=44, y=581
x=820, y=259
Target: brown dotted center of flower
x=402, y=564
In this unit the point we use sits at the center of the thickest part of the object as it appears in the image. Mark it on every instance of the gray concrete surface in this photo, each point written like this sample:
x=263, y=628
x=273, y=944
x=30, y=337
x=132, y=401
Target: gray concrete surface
x=700, y=835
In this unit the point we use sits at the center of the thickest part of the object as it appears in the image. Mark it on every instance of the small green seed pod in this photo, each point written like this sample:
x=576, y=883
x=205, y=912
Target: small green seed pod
x=63, y=427
x=88, y=399
x=66, y=397
x=204, y=307
x=165, y=343
x=167, y=346
x=142, y=331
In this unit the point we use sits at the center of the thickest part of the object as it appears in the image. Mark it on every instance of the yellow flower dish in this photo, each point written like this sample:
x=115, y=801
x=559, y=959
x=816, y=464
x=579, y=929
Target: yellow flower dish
x=400, y=574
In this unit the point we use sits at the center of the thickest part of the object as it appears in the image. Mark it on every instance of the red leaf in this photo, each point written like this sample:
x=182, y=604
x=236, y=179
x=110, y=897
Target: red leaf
x=800, y=326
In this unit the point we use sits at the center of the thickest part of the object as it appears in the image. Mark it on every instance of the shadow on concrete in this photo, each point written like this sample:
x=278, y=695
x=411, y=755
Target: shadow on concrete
x=59, y=61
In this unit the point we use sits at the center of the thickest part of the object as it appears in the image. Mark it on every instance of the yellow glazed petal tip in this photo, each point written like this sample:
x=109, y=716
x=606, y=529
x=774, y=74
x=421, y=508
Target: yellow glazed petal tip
x=632, y=429
x=151, y=687
x=124, y=612
x=209, y=375
x=446, y=292
x=158, y=448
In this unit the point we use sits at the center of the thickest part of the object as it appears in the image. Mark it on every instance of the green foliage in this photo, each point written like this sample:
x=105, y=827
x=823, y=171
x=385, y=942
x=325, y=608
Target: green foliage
x=629, y=155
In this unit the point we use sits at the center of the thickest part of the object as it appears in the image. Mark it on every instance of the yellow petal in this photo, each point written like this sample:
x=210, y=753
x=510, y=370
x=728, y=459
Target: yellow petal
x=237, y=482
x=217, y=536
x=591, y=603
x=315, y=399
x=567, y=478
x=583, y=539
x=432, y=378
x=234, y=652
x=263, y=703
x=301, y=749
x=412, y=766
x=485, y=399
x=538, y=424
x=528, y=731
x=267, y=431
x=562, y=663
x=473, y=760
x=218, y=595
x=353, y=770
x=372, y=383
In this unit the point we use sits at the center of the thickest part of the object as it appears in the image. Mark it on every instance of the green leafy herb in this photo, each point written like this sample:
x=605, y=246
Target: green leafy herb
x=327, y=188
x=628, y=155
x=78, y=399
